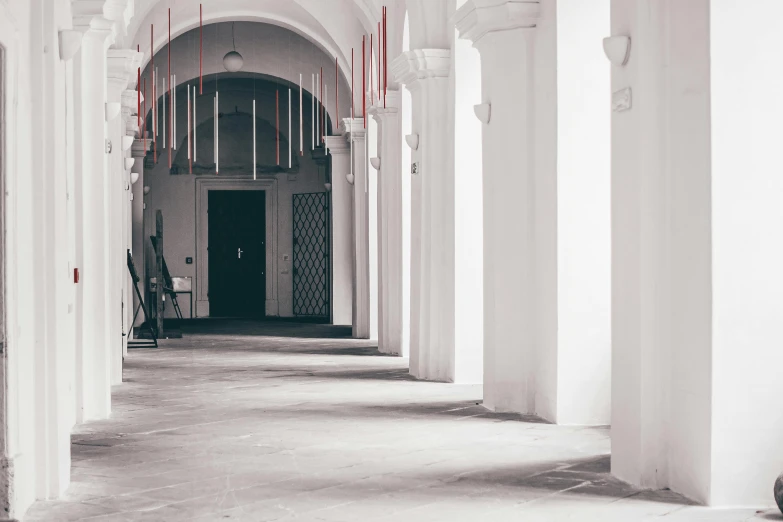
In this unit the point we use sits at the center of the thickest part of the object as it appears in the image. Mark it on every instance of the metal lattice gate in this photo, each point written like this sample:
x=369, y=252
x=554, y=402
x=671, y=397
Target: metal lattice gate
x=311, y=255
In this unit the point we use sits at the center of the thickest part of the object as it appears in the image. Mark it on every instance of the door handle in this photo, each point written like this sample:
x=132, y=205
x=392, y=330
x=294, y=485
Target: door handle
x=239, y=253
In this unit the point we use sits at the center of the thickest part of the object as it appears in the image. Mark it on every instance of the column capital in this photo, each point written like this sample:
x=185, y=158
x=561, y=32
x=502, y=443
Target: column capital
x=419, y=64
x=130, y=112
x=393, y=103
x=121, y=66
x=102, y=15
x=476, y=18
x=352, y=128
x=138, y=150
x=337, y=145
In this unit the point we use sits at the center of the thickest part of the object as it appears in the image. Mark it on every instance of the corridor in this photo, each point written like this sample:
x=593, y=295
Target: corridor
x=279, y=421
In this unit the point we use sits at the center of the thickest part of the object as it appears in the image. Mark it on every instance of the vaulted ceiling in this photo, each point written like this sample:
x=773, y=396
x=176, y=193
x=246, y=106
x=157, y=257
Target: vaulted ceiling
x=335, y=26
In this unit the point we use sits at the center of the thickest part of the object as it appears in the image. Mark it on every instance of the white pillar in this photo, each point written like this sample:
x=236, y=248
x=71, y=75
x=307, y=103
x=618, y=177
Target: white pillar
x=354, y=130
x=468, y=215
x=696, y=217
x=435, y=351
x=130, y=101
x=94, y=329
x=121, y=66
x=139, y=152
x=547, y=284
x=342, y=231
x=390, y=219
x=49, y=287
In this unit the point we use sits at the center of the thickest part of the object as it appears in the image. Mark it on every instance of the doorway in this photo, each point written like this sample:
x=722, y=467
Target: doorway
x=237, y=253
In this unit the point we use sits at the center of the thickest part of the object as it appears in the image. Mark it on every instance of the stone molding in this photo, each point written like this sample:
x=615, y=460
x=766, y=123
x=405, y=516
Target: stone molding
x=337, y=145
x=121, y=66
x=353, y=128
x=421, y=64
x=110, y=16
x=476, y=18
x=138, y=150
x=393, y=103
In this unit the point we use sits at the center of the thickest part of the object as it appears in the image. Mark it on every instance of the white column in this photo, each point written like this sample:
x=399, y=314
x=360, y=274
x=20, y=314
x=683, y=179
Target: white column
x=49, y=286
x=468, y=215
x=95, y=319
x=390, y=219
x=342, y=231
x=547, y=287
x=121, y=66
x=433, y=352
x=138, y=152
x=696, y=217
x=130, y=99
x=354, y=130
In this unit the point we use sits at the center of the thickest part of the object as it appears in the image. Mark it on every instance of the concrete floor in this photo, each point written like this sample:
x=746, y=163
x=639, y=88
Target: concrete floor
x=277, y=421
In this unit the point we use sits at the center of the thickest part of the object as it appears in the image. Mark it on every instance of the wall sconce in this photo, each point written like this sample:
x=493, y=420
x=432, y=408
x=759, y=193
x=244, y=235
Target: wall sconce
x=328, y=186
x=134, y=177
x=376, y=163
x=413, y=141
x=113, y=110
x=129, y=163
x=146, y=190
x=127, y=141
x=70, y=43
x=617, y=49
x=350, y=178
x=483, y=112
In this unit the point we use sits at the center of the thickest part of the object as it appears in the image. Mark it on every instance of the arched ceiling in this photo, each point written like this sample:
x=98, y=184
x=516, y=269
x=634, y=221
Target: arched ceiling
x=333, y=25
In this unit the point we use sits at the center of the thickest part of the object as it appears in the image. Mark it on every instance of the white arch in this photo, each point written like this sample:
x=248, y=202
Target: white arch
x=327, y=28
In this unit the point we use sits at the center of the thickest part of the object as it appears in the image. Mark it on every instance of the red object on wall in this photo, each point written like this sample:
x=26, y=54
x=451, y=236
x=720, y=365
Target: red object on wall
x=385, y=59
x=75, y=275
x=138, y=92
x=200, y=49
x=171, y=106
x=364, y=87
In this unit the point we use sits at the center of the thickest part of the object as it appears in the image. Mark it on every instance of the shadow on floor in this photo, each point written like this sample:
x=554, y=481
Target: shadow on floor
x=588, y=476
x=273, y=327
x=395, y=374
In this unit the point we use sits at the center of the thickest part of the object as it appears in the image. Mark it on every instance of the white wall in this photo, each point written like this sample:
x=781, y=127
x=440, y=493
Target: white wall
x=747, y=225
x=176, y=195
x=405, y=124
x=583, y=214
x=38, y=400
x=696, y=279
x=268, y=50
x=468, y=359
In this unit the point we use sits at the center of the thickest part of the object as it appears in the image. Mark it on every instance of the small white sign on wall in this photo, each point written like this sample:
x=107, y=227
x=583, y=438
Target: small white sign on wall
x=621, y=100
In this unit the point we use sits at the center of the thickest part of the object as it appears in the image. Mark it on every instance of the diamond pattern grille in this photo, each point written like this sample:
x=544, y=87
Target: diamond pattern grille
x=311, y=255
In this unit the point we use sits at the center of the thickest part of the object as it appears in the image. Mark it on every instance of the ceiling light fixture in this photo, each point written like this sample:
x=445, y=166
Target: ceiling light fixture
x=233, y=61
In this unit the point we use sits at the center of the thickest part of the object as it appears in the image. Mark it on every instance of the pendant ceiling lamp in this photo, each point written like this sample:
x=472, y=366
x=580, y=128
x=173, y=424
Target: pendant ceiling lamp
x=233, y=61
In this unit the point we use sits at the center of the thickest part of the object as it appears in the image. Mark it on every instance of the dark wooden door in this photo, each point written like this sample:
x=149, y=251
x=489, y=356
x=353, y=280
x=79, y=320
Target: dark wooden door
x=237, y=253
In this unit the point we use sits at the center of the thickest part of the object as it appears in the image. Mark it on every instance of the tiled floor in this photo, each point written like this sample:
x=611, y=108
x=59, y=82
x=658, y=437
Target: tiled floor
x=244, y=421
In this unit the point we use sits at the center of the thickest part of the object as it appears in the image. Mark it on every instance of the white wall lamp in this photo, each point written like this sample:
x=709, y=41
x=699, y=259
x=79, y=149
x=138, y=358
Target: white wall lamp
x=127, y=141
x=328, y=186
x=483, y=112
x=129, y=163
x=413, y=141
x=617, y=49
x=134, y=177
x=376, y=163
x=146, y=190
x=112, y=110
x=350, y=178
x=70, y=43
